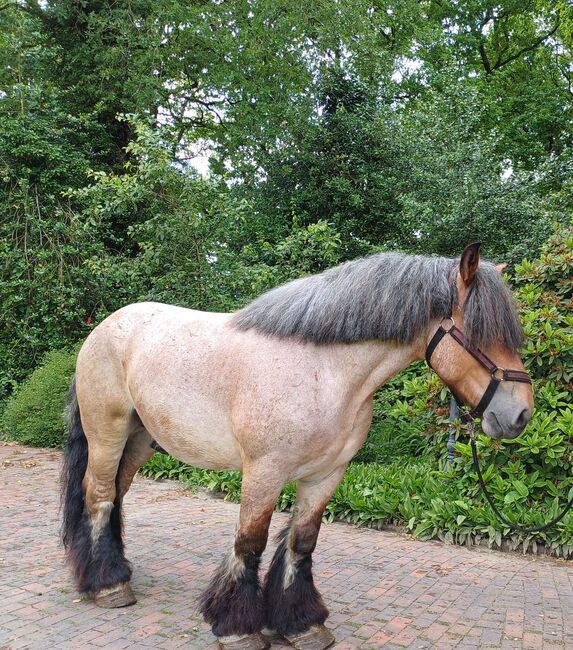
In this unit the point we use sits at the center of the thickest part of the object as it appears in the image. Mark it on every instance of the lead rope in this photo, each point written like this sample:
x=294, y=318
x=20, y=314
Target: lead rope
x=503, y=518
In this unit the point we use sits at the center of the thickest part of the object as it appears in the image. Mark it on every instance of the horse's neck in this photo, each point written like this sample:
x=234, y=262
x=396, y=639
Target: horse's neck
x=372, y=363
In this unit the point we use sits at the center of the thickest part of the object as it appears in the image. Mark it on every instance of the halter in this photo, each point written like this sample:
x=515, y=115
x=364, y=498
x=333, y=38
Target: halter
x=497, y=374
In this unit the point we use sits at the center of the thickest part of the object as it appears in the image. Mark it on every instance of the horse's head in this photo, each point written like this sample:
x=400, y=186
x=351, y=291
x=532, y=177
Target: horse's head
x=474, y=348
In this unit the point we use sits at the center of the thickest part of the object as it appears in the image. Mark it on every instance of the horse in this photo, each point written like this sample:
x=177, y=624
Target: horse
x=282, y=390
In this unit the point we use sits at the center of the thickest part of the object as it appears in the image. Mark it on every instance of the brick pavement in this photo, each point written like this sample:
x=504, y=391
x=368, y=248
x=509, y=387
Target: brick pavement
x=384, y=590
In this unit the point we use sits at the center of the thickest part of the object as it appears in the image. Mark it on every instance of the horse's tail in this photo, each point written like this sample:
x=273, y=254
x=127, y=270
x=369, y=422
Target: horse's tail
x=72, y=498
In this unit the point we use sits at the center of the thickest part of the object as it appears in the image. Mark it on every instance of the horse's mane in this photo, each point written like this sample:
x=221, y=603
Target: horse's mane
x=387, y=296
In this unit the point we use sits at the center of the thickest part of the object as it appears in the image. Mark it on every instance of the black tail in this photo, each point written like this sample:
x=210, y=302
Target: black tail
x=75, y=528
x=96, y=566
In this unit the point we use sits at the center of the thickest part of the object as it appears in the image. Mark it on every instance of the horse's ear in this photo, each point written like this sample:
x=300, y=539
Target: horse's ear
x=469, y=263
x=500, y=268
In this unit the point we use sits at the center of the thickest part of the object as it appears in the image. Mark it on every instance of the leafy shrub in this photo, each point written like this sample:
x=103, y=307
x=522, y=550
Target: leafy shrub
x=162, y=466
x=34, y=415
x=530, y=478
x=396, y=431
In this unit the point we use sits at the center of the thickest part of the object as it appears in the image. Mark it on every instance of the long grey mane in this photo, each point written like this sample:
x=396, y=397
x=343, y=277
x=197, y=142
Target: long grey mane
x=387, y=296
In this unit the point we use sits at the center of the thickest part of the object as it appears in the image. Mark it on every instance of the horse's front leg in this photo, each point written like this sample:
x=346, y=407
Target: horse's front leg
x=293, y=605
x=233, y=602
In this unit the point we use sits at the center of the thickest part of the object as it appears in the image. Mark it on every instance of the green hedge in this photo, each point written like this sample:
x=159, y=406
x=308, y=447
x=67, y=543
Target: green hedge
x=530, y=478
x=34, y=415
x=416, y=400
x=429, y=503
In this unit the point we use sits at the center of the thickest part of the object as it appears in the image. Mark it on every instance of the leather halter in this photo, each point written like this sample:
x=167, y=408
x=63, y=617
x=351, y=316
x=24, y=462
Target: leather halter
x=497, y=374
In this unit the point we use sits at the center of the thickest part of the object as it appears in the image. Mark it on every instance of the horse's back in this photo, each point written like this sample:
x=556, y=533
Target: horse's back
x=133, y=333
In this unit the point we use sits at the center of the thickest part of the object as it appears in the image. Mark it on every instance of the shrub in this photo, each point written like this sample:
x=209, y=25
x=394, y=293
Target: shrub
x=531, y=477
x=163, y=466
x=394, y=433
x=412, y=493
x=34, y=415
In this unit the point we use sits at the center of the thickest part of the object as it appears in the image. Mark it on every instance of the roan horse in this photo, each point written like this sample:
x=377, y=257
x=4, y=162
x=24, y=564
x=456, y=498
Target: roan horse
x=281, y=390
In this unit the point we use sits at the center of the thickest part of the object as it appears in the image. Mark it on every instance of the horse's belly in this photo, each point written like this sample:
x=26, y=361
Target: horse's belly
x=198, y=436
x=217, y=451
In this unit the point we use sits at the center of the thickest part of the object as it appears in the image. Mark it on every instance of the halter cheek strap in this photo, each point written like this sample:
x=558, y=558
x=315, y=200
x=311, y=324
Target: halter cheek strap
x=497, y=374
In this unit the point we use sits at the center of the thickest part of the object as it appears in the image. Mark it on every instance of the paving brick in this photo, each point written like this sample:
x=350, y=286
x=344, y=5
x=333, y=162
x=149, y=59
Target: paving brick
x=384, y=590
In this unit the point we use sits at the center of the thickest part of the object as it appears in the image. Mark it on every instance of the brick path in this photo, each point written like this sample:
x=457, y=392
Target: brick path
x=382, y=589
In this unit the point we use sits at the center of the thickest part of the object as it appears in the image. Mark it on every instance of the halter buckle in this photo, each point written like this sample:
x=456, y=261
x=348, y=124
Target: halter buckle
x=471, y=428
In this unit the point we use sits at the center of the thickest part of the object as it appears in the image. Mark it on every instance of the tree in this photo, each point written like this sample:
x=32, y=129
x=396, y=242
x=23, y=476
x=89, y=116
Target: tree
x=335, y=129
x=458, y=190
x=516, y=54
x=345, y=170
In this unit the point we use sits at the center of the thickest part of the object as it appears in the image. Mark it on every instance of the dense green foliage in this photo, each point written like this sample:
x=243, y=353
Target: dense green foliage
x=400, y=475
x=532, y=477
x=331, y=132
x=413, y=493
x=35, y=415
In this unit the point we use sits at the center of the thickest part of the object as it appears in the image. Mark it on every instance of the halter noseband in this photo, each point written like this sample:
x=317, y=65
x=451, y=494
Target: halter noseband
x=497, y=374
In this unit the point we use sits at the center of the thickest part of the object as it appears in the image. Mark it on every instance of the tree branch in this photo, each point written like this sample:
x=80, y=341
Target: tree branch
x=499, y=63
x=484, y=59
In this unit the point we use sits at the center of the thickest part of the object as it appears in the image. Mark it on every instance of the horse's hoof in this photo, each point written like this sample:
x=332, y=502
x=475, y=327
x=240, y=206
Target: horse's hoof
x=316, y=637
x=119, y=596
x=244, y=642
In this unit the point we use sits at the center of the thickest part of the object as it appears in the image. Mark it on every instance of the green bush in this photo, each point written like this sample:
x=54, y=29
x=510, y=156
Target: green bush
x=398, y=477
x=34, y=415
x=394, y=433
x=430, y=503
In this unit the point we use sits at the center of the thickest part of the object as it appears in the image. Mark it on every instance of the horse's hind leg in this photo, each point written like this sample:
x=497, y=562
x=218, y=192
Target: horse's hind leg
x=233, y=602
x=293, y=605
x=92, y=530
x=136, y=453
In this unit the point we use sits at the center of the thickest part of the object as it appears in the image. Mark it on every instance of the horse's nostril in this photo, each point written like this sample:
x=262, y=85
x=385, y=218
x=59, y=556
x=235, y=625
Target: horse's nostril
x=523, y=418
